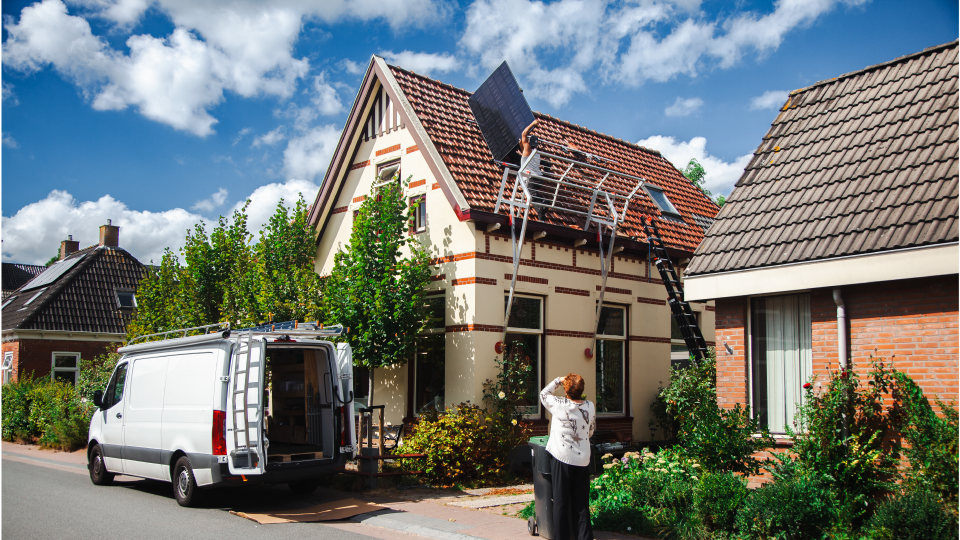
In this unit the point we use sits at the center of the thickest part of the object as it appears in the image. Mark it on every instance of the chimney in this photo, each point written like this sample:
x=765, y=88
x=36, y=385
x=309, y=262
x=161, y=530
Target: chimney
x=109, y=234
x=68, y=246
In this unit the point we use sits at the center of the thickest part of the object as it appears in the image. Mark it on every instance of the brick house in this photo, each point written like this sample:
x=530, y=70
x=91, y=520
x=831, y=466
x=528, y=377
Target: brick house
x=77, y=308
x=408, y=125
x=840, y=239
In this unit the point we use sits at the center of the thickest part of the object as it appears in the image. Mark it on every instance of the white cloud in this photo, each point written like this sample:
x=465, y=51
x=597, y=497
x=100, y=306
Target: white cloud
x=325, y=97
x=721, y=175
x=9, y=141
x=684, y=107
x=308, y=155
x=269, y=138
x=241, y=134
x=215, y=201
x=771, y=99
x=34, y=233
x=8, y=95
x=245, y=47
x=351, y=67
x=622, y=43
x=422, y=63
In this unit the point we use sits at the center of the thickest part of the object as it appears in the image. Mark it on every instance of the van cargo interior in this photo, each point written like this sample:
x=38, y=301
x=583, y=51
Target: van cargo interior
x=299, y=404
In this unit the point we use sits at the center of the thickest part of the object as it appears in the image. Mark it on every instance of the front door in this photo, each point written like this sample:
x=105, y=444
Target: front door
x=112, y=412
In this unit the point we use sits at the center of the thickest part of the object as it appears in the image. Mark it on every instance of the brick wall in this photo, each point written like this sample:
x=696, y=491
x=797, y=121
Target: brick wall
x=35, y=355
x=913, y=322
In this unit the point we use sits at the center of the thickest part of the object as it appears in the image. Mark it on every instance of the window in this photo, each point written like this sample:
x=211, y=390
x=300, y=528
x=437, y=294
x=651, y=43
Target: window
x=611, y=347
x=524, y=329
x=387, y=172
x=114, y=392
x=66, y=365
x=679, y=354
x=780, y=357
x=7, y=303
x=126, y=299
x=430, y=375
x=418, y=214
x=660, y=199
x=7, y=367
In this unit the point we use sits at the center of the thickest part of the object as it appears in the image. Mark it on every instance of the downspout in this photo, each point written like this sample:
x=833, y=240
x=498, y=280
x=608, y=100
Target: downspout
x=841, y=348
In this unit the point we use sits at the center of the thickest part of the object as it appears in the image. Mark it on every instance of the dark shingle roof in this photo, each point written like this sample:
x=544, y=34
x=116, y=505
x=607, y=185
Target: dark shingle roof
x=81, y=300
x=446, y=116
x=15, y=275
x=865, y=162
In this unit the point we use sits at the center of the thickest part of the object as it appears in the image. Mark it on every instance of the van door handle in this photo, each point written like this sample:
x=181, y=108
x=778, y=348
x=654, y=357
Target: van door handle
x=119, y=415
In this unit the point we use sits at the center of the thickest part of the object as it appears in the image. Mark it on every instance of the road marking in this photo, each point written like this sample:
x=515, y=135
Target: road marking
x=49, y=463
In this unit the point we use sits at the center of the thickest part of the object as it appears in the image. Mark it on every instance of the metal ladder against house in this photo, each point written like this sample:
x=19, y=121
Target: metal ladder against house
x=682, y=314
x=245, y=449
x=596, y=195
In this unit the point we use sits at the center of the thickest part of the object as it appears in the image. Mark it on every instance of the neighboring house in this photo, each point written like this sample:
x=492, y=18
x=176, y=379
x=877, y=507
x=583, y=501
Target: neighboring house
x=846, y=218
x=425, y=128
x=15, y=275
x=77, y=308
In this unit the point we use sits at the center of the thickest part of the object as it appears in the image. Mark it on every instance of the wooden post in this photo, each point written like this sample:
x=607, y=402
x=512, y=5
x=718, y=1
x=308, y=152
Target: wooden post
x=380, y=441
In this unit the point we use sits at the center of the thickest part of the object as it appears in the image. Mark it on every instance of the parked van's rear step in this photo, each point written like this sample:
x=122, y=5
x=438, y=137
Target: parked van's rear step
x=295, y=457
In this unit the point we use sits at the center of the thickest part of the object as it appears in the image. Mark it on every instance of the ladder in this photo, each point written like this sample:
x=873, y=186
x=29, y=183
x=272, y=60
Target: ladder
x=238, y=389
x=686, y=320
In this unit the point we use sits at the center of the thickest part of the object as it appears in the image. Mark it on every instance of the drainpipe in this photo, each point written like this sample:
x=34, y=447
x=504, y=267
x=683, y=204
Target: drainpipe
x=841, y=346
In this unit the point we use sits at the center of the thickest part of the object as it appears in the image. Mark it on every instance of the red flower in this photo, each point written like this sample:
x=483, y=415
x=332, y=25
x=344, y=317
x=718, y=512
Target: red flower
x=845, y=374
x=808, y=386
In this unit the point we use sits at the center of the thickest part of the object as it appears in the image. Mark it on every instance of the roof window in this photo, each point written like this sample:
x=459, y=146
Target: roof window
x=34, y=297
x=660, y=199
x=126, y=299
x=7, y=303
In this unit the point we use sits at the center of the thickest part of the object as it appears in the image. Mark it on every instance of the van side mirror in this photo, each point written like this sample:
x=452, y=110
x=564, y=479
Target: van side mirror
x=98, y=398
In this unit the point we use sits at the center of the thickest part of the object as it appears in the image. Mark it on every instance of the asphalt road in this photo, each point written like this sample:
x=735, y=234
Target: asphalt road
x=44, y=502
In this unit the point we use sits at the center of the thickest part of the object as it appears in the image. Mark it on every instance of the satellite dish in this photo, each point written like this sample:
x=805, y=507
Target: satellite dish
x=501, y=111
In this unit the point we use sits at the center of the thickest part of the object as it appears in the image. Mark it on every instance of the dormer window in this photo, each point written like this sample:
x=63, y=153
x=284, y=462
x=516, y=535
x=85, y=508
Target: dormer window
x=660, y=199
x=126, y=299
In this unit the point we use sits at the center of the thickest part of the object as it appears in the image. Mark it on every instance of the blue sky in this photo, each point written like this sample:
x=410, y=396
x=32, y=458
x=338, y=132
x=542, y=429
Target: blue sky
x=162, y=114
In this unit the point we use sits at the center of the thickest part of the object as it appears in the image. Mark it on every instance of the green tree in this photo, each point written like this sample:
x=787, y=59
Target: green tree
x=696, y=174
x=376, y=291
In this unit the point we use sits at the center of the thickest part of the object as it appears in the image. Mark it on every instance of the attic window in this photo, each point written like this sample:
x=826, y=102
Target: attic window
x=7, y=303
x=34, y=297
x=660, y=199
x=126, y=299
x=387, y=172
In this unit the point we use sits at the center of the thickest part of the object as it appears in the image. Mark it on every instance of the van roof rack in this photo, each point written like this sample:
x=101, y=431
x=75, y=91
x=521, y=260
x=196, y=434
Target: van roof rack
x=286, y=328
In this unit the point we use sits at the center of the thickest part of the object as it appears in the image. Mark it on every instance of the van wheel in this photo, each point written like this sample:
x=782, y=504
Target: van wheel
x=184, y=484
x=98, y=468
x=303, y=488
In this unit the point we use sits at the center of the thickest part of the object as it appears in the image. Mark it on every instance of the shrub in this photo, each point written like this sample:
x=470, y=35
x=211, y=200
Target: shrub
x=613, y=502
x=95, y=374
x=795, y=509
x=465, y=445
x=721, y=440
x=717, y=500
x=933, y=441
x=914, y=515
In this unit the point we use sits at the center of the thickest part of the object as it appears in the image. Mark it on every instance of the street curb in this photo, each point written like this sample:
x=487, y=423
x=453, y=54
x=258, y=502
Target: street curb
x=395, y=524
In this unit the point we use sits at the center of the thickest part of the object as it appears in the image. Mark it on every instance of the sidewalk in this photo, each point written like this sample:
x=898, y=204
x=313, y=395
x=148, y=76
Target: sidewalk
x=423, y=513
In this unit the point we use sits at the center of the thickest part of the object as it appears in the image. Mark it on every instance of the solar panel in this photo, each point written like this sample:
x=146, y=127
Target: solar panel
x=53, y=273
x=501, y=111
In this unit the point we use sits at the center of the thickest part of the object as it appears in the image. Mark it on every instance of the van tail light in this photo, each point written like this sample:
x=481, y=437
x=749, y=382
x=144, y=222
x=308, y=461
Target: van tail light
x=219, y=433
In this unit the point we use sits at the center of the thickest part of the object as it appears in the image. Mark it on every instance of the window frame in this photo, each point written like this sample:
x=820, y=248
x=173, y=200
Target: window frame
x=625, y=340
x=7, y=367
x=680, y=341
x=428, y=332
x=531, y=412
x=54, y=369
x=378, y=180
x=133, y=296
x=418, y=217
x=651, y=188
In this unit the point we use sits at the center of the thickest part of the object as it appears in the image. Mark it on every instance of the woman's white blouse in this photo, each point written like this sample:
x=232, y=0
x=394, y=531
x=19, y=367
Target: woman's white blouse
x=571, y=427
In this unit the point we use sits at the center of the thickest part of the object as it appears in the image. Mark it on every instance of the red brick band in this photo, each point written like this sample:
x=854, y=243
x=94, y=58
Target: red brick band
x=575, y=292
x=615, y=290
x=412, y=149
x=439, y=277
x=360, y=165
x=417, y=183
x=711, y=308
x=648, y=339
x=528, y=279
x=360, y=198
x=340, y=210
x=387, y=150
x=569, y=333
x=435, y=186
x=538, y=264
x=474, y=328
x=473, y=280
x=653, y=301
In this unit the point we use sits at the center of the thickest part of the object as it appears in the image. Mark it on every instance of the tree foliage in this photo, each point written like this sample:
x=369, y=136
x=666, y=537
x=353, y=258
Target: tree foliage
x=373, y=288
x=226, y=277
x=696, y=174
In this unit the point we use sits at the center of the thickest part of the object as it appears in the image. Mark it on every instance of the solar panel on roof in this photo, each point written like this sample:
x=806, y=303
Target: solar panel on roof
x=501, y=111
x=53, y=273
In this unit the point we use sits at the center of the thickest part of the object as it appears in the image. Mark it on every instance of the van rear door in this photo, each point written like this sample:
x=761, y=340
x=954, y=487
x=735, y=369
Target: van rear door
x=245, y=452
x=345, y=367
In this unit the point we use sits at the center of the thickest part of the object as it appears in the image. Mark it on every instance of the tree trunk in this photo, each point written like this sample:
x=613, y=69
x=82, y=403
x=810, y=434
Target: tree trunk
x=370, y=391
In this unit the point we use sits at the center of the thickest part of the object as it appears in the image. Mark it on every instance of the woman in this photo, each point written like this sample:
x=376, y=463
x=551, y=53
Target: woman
x=574, y=421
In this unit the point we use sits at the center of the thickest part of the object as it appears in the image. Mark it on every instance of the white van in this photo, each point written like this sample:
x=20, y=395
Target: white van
x=263, y=405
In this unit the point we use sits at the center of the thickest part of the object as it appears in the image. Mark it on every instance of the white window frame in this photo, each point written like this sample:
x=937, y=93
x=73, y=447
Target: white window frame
x=54, y=369
x=7, y=367
x=651, y=188
x=419, y=213
x=390, y=165
x=8, y=301
x=623, y=361
x=685, y=354
x=530, y=412
x=118, y=292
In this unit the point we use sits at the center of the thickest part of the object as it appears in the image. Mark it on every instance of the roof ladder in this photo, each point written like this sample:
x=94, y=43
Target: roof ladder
x=243, y=389
x=682, y=314
x=592, y=195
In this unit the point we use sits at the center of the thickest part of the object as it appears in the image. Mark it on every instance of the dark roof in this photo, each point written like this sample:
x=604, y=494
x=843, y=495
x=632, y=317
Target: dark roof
x=863, y=163
x=81, y=300
x=15, y=275
x=448, y=120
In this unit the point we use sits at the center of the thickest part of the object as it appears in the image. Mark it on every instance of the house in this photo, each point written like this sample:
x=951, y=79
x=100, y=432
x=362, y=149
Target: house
x=15, y=275
x=77, y=308
x=840, y=239
x=407, y=125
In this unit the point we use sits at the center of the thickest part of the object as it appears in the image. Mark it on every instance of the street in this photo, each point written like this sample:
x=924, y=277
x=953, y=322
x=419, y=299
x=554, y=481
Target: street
x=51, y=501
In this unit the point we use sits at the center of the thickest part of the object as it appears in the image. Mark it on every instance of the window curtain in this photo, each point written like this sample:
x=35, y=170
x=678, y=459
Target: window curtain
x=782, y=357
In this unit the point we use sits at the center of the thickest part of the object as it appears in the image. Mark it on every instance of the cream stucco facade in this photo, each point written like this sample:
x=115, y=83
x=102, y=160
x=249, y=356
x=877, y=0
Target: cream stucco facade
x=472, y=271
